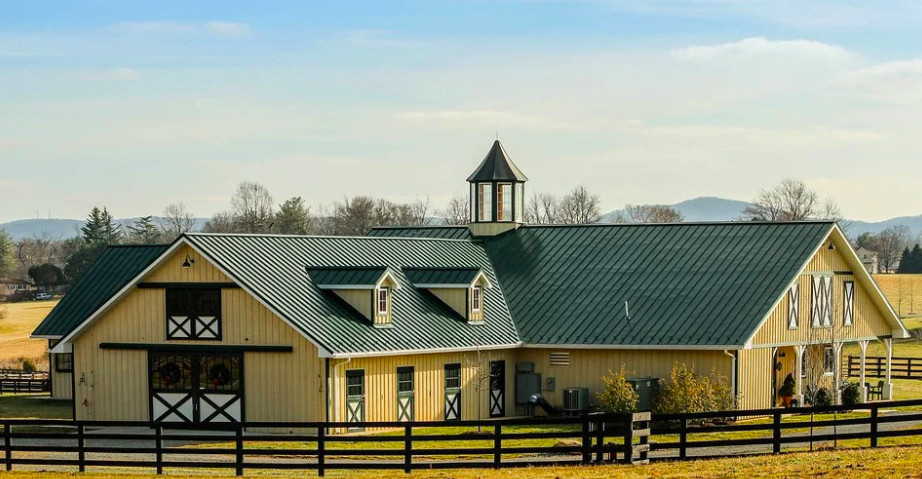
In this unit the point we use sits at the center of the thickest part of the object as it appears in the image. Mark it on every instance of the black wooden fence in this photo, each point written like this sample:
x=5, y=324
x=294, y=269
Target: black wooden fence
x=591, y=438
x=876, y=367
x=19, y=381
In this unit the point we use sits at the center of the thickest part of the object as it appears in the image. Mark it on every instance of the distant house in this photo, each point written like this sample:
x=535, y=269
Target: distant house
x=11, y=286
x=448, y=323
x=868, y=259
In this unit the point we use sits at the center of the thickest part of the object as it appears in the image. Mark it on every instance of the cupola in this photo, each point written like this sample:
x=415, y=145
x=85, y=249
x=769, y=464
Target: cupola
x=497, y=194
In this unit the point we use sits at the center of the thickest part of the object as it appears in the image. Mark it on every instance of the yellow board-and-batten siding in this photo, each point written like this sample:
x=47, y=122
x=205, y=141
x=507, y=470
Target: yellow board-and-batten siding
x=61, y=384
x=277, y=386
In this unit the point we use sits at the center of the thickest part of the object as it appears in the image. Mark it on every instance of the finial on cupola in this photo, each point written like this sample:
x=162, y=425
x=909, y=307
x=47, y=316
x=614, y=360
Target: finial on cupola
x=497, y=194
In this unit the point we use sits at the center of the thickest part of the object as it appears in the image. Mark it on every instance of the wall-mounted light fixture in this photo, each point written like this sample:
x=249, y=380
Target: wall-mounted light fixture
x=187, y=263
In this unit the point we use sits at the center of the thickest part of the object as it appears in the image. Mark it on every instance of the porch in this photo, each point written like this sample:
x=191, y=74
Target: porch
x=820, y=365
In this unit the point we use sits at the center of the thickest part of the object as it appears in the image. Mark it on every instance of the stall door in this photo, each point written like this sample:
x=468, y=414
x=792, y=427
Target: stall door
x=355, y=396
x=195, y=387
x=452, y=392
x=497, y=388
x=405, y=399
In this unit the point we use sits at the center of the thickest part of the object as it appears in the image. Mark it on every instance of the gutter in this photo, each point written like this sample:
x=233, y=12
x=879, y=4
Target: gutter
x=335, y=389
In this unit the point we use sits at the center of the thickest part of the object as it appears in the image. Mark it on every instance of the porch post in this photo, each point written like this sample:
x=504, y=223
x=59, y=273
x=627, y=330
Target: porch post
x=888, y=385
x=863, y=384
x=837, y=373
x=798, y=367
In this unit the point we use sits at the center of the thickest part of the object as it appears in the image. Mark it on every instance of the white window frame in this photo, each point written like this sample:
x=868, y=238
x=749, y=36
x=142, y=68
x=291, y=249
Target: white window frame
x=503, y=198
x=485, y=202
x=386, y=299
x=476, y=299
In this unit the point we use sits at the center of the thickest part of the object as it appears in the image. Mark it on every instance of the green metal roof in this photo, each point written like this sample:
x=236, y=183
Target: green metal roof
x=685, y=284
x=442, y=232
x=447, y=276
x=274, y=268
x=497, y=166
x=329, y=276
x=112, y=270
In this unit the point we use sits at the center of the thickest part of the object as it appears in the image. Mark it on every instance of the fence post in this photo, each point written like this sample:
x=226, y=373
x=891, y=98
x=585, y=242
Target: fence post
x=8, y=446
x=238, y=439
x=497, y=446
x=587, y=440
x=407, y=449
x=599, y=439
x=873, y=425
x=683, y=438
x=776, y=431
x=629, y=439
x=158, y=445
x=321, y=448
x=81, y=454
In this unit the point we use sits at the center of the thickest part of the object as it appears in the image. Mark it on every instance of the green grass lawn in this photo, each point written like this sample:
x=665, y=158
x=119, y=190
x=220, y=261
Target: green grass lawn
x=34, y=406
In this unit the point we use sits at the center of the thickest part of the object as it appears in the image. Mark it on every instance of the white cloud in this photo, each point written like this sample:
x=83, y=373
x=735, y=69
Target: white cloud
x=123, y=74
x=758, y=47
x=215, y=27
x=228, y=28
x=897, y=82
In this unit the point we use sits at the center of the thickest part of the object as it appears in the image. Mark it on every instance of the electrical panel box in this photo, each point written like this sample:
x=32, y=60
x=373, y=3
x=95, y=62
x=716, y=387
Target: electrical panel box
x=646, y=389
x=526, y=384
x=549, y=384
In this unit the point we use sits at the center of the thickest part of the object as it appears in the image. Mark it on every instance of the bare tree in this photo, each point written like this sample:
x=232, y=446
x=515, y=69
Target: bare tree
x=253, y=207
x=419, y=213
x=542, y=209
x=791, y=200
x=579, y=206
x=479, y=364
x=7, y=257
x=222, y=222
x=458, y=211
x=648, y=214
x=177, y=219
x=890, y=243
x=41, y=248
x=353, y=217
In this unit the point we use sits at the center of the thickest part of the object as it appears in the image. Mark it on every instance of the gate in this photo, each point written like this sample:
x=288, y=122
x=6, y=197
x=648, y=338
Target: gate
x=196, y=387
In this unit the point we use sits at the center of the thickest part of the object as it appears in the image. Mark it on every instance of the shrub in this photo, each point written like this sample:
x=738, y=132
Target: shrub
x=686, y=391
x=619, y=395
x=788, y=386
x=28, y=366
x=851, y=394
x=822, y=398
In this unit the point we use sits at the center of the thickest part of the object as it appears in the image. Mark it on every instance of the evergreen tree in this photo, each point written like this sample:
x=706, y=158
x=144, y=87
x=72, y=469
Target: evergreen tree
x=110, y=231
x=100, y=227
x=7, y=258
x=293, y=217
x=144, y=231
x=905, y=262
x=915, y=260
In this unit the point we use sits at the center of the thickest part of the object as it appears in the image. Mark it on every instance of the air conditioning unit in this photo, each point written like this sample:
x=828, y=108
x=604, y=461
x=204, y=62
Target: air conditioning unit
x=575, y=399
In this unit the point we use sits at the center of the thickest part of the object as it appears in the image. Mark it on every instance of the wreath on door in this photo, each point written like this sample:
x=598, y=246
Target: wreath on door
x=219, y=375
x=170, y=373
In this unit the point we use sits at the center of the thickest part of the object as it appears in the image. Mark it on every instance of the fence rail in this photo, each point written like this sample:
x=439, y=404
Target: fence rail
x=19, y=381
x=589, y=438
x=876, y=367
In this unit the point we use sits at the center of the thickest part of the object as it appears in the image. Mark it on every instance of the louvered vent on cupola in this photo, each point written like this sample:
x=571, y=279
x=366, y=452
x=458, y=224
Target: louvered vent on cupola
x=461, y=289
x=367, y=289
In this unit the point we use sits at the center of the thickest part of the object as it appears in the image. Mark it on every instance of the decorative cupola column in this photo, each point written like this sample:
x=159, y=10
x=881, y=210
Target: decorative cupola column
x=497, y=194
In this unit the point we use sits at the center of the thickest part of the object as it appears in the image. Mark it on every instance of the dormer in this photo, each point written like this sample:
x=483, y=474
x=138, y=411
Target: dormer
x=497, y=194
x=367, y=289
x=461, y=289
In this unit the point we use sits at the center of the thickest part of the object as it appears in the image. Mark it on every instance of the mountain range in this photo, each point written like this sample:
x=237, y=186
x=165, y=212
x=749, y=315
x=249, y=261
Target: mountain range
x=698, y=209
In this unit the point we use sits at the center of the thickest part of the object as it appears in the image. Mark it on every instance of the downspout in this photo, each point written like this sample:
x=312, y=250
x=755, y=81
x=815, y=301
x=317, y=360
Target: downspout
x=733, y=372
x=335, y=389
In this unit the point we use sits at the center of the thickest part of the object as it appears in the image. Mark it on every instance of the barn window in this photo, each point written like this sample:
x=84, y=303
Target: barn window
x=829, y=361
x=476, y=298
x=793, y=306
x=560, y=359
x=193, y=314
x=821, y=302
x=383, y=300
x=848, y=303
x=452, y=376
x=64, y=363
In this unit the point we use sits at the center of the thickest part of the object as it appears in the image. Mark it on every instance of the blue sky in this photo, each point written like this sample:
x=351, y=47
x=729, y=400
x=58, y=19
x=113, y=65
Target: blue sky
x=136, y=105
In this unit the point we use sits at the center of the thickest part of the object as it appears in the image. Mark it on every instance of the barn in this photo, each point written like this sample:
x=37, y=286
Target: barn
x=454, y=322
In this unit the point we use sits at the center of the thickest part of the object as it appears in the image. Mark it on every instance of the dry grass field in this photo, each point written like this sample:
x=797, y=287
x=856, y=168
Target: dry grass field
x=17, y=320
x=842, y=463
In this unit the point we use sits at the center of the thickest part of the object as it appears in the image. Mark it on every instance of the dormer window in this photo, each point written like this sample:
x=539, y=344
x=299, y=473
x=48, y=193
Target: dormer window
x=383, y=302
x=477, y=299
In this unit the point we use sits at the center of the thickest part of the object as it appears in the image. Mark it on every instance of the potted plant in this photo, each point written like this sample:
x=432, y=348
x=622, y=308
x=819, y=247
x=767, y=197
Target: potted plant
x=787, y=390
